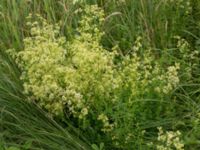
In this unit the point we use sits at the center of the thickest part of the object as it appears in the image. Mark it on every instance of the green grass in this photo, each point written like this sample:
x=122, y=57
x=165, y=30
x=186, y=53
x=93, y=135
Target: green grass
x=24, y=124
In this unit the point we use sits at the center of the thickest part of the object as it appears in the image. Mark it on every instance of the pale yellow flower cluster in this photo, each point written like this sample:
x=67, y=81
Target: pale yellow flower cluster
x=83, y=77
x=141, y=72
x=185, y=5
x=77, y=1
x=187, y=54
x=169, y=140
x=107, y=127
x=183, y=46
x=169, y=80
x=59, y=73
x=185, y=49
x=42, y=58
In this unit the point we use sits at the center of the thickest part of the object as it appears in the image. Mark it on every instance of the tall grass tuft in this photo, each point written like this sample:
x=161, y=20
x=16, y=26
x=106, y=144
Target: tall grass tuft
x=25, y=125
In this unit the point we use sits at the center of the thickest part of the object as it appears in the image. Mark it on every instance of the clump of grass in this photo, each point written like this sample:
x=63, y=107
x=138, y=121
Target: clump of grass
x=23, y=124
x=156, y=21
x=148, y=91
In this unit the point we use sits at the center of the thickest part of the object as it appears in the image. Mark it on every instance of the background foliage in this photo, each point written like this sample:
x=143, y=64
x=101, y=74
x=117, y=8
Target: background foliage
x=134, y=63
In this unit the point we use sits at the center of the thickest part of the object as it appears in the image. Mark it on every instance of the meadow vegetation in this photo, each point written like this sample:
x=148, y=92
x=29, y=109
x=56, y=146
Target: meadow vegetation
x=95, y=74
